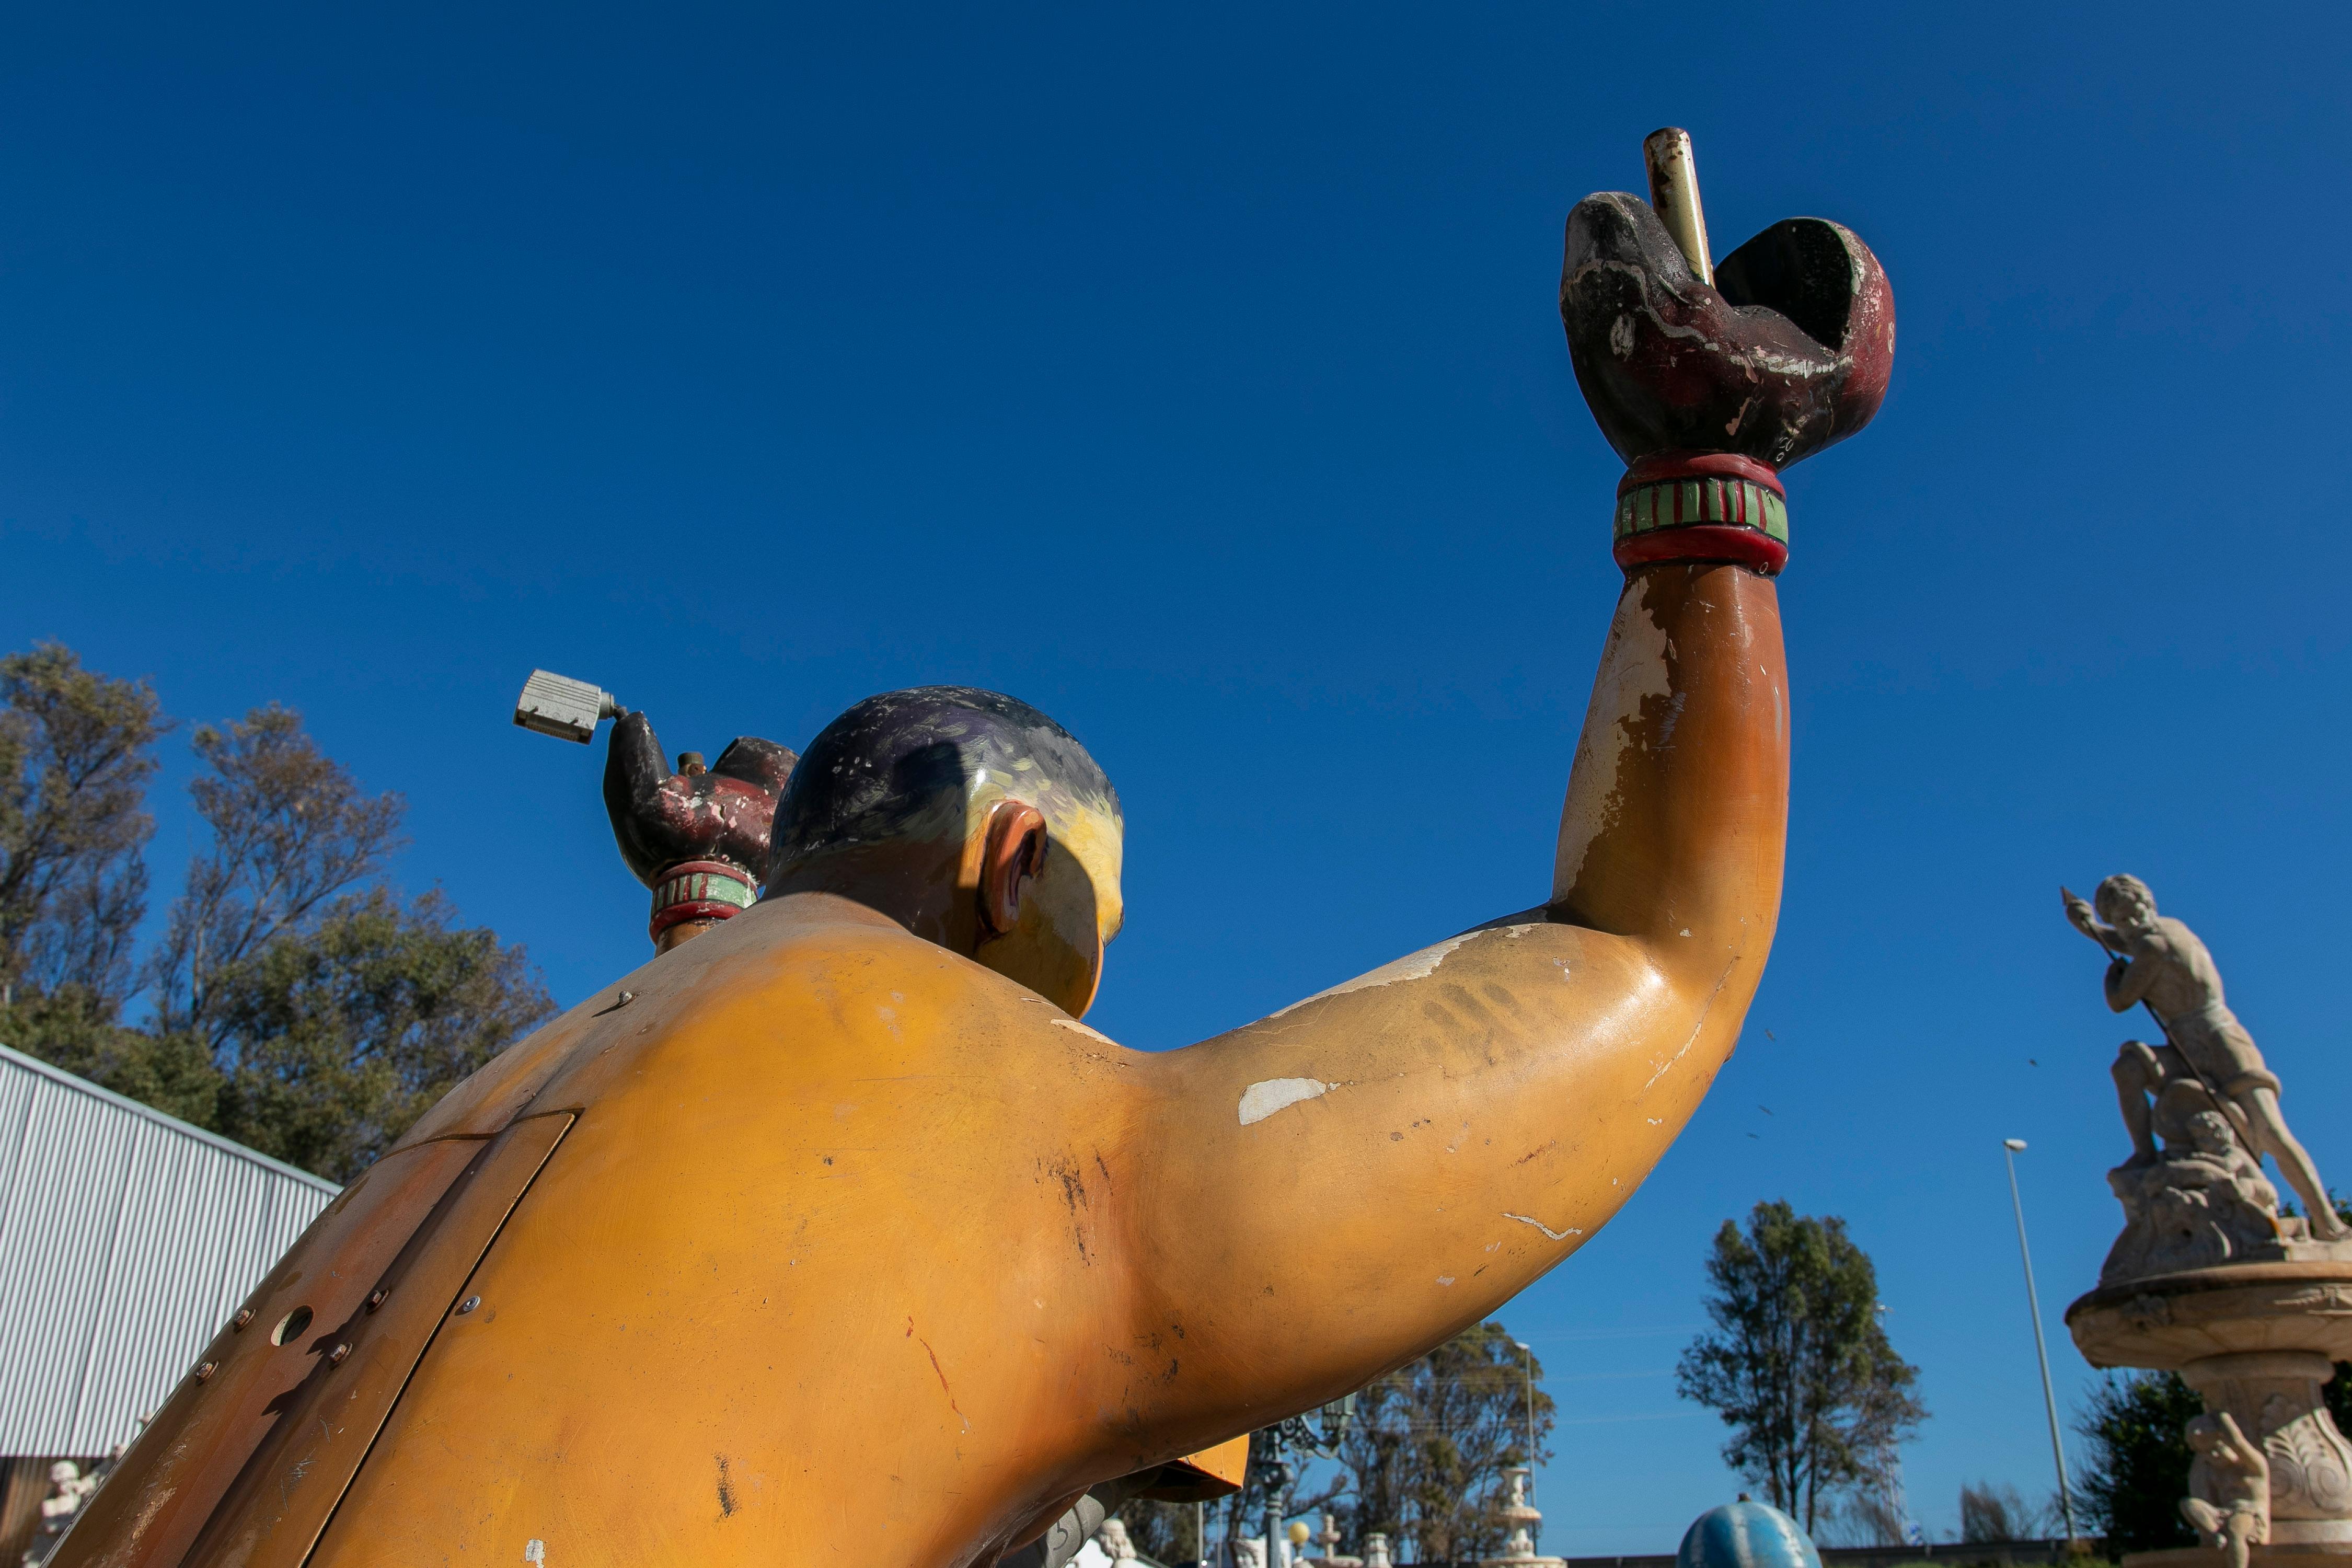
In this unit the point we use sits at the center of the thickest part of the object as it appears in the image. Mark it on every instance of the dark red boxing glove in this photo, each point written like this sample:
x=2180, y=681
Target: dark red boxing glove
x=698, y=837
x=1708, y=393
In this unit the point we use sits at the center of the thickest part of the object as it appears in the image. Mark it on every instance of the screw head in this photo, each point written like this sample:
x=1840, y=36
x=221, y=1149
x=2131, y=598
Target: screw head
x=375, y=1300
x=204, y=1373
x=335, y=1357
x=468, y=1304
x=243, y=1316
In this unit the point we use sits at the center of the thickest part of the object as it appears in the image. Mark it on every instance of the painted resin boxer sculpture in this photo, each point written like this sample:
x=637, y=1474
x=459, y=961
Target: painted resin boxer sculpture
x=833, y=1234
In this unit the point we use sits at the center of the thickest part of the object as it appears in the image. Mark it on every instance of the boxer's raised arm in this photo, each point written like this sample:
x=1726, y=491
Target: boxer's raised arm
x=1334, y=1189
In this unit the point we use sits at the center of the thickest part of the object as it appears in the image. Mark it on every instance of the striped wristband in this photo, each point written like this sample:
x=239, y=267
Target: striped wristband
x=1702, y=506
x=700, y=890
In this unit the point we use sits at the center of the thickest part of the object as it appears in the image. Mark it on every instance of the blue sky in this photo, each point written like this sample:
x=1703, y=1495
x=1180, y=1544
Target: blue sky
x=1196, y=376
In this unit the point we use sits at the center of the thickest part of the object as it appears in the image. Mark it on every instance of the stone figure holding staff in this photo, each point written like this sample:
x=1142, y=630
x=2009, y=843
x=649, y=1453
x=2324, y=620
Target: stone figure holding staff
x=2160, y=962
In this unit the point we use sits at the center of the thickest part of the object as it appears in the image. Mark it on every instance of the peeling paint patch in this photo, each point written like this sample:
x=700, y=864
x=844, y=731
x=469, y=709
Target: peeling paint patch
x=1445, y=1279
x=534, y=1551
x=1077, y=1028
x=1260, y=1100
x=1411, y=966
x=1554, y=1234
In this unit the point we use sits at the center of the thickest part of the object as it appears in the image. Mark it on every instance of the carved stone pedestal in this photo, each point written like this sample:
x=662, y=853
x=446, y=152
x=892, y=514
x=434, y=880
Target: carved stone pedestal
x=2257, y=1340
x=2257, y=1557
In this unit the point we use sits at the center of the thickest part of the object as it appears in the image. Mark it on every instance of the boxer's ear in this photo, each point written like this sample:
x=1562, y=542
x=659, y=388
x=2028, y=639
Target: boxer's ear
x=1012, y=852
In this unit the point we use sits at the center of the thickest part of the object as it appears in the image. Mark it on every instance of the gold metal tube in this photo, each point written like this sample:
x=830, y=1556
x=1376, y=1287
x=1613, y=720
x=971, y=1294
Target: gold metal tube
x=1674, y=192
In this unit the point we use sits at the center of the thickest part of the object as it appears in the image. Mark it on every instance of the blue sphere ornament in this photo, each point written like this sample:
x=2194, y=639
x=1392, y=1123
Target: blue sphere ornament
x=1745, y=1534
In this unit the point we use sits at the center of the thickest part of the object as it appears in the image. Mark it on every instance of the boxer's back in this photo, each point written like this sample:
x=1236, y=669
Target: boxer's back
x=719, y=1290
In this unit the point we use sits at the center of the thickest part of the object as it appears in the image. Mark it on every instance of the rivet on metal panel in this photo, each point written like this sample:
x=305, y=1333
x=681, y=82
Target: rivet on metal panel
x=335, y=1357
x=375, y=1300
x=243, y=1316
x=204, y=1373
x=469, y=1303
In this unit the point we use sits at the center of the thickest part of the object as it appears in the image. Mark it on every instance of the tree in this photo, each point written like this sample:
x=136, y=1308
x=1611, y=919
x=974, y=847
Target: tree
x=172, y=1072
x=336, y=1036
x=290, y=831
x=1426, y=1451
x=299, y=1004
x=75, y=759
x=1798, y=1364
x=2134, y=1471
x=1166, y=1531
x=1994, y=1512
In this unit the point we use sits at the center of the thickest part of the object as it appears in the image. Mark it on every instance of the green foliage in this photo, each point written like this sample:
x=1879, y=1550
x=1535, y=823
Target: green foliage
x=72, y=1029
x=335, y=1037
x=1798, y=1364
x=2134, y=1469
x=1426, y=1451
x=74, y=758
x=291, y=831
x=1993, y=1511
x=299, y=1006
x=1165, y=1532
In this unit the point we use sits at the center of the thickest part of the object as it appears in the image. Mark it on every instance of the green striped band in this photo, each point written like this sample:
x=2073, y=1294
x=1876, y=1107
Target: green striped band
x=1670, y=503
x=703, y=886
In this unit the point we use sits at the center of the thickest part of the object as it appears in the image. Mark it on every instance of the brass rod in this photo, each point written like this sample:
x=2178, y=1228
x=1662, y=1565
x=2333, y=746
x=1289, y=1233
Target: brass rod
x=1674, y=192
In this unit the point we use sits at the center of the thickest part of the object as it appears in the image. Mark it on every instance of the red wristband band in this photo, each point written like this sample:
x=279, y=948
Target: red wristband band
x=1702, y=506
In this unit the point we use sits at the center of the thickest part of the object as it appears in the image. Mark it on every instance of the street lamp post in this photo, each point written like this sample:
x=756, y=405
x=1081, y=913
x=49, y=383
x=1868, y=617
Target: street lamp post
x=2011, y=1149
x=1528, y=1361
x=1315, y=1439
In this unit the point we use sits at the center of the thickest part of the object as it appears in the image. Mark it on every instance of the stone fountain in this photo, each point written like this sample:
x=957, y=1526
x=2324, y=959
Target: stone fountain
x=1524, y=1519
x=2251, y=1306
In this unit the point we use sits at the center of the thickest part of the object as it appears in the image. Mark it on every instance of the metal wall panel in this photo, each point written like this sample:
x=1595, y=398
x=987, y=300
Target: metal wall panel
x=126, y=1239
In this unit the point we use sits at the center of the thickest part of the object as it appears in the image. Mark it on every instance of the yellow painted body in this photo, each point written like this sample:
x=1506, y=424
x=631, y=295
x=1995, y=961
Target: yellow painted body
x=832, y=1245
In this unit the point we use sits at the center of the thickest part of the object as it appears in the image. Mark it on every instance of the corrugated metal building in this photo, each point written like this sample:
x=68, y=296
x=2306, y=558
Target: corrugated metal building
x=126, y=1239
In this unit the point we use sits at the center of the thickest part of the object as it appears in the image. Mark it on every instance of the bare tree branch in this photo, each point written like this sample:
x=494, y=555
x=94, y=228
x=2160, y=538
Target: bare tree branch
x=75, y=759
x=291, y=830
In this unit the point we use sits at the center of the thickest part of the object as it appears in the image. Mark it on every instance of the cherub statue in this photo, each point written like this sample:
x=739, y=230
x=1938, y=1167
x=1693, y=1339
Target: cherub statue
x=1114, y=1541
x=68, y=1489
x=2160, y=962
x=2229, y=1487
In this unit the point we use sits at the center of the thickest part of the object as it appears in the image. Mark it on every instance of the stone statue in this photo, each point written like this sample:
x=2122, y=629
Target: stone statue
x=2160, y=962
x=842, y=1206
x=1113, y=1539
x=1524, y=1520
x=1376, y=1550
x=2204, y=1202
x=69, y=1490
x=2253, y=1310
x=2229, y=1504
